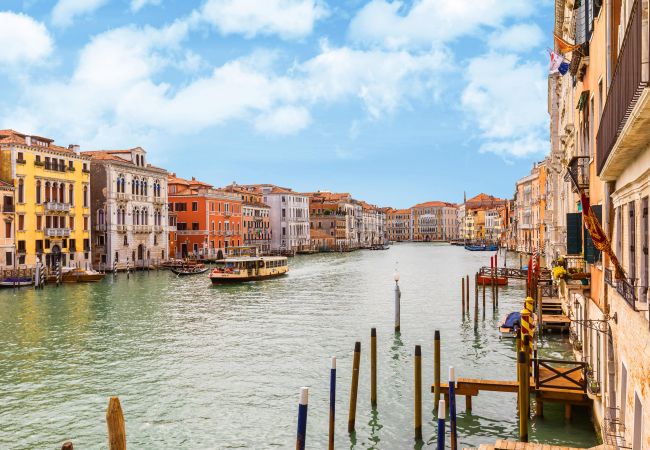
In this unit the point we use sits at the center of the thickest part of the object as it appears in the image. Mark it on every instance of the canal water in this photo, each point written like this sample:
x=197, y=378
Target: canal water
x=202, y=367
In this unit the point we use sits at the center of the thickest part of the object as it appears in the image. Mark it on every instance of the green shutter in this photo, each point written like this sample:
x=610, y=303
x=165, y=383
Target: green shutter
x=592, y=255
x=574, y=233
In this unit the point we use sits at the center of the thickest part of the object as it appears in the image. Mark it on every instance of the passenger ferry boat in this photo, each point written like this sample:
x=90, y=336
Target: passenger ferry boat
x=252, y=268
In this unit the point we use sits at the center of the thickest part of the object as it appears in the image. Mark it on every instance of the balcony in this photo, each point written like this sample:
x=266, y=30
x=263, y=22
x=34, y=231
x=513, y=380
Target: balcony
x=122, y=197
x=626, y=290
x=622, y=132
x=57, y=232
x=122, y=228
x=142, y=228
x=56, y=206
x=578, y=173
x=100, y=227
x=139, y=198
x=158, y=228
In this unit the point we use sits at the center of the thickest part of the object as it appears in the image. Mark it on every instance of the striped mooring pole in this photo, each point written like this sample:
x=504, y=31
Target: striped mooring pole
x=128, y=269
x=115, y=267
x=58, y=272
x=526, y=330
x=440, y=445
x=452, y=408
x=302, y=418
x=332, y=402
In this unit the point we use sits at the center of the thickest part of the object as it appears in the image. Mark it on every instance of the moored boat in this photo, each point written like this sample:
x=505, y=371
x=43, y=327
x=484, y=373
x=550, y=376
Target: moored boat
x=487, y=280
x=238, y=270
x=194, y=269
x=81, y=276
x=511, y=325
x=16, y=281
x=481, y=248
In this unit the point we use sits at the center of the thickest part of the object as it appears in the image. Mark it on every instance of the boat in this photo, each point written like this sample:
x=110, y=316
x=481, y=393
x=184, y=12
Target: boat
x=487, y=280
x=194, y=269
x=255, y=268
x=16, y=281
x=481, y=248
x=77, y=275
x=379, y=247
x=511, y=325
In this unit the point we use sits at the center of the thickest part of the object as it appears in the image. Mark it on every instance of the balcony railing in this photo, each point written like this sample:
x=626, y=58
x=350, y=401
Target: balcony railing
x=627, y=85
x=122, y=228
x=578, y=173
x=626, y=290
x=142, y=228
x=57, y=206
x=100, y=227
x=8, y=208
x=608, y=277
x=57, y=232
x=158, y=228
x=122, y=196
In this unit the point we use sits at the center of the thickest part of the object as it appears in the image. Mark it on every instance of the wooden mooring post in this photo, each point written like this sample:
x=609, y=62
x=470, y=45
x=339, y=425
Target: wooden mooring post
x=373, y=368
x=436, y=368
x=332, y=403
x=467, y=298
x=354, y=387
x=462, y=295
x=115, y=425
x=476, y=297
x=417, y=378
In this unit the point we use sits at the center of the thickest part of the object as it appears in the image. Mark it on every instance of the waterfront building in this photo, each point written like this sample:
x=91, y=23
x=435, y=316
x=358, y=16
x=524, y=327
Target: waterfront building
x=52, y=199
x=434, y=221
x=398, y=225
x=256, y=218
x=529, y=213
x=373, y=223
x=328, y=221
x=289, y=216
x=208, y=221
x=600, y=139
x=128, y=209
x=477, y=210
x=7, y=233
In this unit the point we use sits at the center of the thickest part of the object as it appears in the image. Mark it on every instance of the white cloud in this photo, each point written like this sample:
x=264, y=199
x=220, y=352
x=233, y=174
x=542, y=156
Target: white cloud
x=119, y=87
x=506, y=98
x=137, y=5
x=517, y=38
x=427, y=22
x=65, y=11
x=23, y=39
x=286, y=18
x=284, y=120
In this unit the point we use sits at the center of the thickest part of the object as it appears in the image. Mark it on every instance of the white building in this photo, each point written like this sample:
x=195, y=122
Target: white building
x=128, y=208
x=289, y=217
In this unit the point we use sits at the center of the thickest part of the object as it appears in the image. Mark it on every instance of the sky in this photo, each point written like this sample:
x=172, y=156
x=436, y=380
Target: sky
x=395, y=102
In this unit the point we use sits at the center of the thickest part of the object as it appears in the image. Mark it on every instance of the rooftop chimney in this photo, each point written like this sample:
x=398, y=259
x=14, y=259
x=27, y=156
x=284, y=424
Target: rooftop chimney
x=28, y=140
x=74, y=148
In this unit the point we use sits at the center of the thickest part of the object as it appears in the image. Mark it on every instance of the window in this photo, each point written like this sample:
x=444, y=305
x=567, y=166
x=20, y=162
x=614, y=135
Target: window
x=85, y=196
x=21, y=191
x=21, y=246
x=39, y=246
x=632, y=238
x=195, y=206
x=638, y=423
x=70, y=165
x=9, y=259
x=39, y=222
x=126, y=241
x=71, y=195
x=181, y=226
x=21, y=222
x=85, y=223
x=181, y=207
x=38, y=192
x=20, y=159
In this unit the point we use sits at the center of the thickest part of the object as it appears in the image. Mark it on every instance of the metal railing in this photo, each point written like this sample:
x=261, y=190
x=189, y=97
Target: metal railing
x=608, y=277
x=578, y=171
x=627, y=84
x=626, y=290
x=560, y=376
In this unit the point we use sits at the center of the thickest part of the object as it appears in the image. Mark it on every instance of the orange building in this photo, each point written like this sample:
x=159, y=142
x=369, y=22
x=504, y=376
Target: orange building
x=208, y=221
x=256, y=218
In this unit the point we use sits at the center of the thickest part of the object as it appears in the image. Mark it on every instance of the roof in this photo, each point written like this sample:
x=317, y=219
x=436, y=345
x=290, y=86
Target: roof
x=256, y=204
x=111, y=155
x=14, y=137
x=434, y=204
x=399, y=211
x=483, y=199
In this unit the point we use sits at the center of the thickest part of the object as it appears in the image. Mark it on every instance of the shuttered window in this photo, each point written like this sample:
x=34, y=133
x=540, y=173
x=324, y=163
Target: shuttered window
x=644, y=250
x=592, y=255
x=574, y=233
x=632, y=240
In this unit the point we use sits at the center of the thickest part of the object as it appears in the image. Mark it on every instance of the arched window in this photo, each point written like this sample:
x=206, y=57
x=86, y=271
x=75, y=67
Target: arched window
x=55, y=192
x=144, y=216
x=100, y=216
x=38, y=192
x=136, y=216
x=71, y=194
x=123, y=216
x=85, y=196
x=48, y=193
x=62, y=193
x=133, y=186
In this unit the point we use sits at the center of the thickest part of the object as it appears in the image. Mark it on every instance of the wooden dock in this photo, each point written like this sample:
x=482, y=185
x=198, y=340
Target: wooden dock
x=503, y=444
x=553, y=317
x=513, y=273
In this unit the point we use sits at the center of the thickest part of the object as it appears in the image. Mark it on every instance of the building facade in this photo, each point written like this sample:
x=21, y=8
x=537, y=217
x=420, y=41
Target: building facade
x=256, y=218
x=52, y=199
x=208, y=221
x=398, y=225
x=129, y=214
x=434, y=221
x=7, y=233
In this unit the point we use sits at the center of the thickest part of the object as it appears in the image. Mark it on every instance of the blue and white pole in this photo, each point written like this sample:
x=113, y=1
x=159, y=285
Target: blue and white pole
x=332, y=402
x=302, y=418
x=441, y=425
x=452, y=408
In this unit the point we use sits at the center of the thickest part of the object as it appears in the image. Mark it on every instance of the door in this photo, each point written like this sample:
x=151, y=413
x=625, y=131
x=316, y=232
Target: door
x=183, y=250
x=140, y=252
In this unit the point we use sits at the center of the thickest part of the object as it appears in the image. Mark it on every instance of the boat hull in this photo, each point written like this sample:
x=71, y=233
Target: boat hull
x=244, y=279
x=487, y=280
x=182, y=273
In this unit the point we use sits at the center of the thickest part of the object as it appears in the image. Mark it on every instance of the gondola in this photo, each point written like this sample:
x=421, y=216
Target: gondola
x=190, y=270
x=16, y=281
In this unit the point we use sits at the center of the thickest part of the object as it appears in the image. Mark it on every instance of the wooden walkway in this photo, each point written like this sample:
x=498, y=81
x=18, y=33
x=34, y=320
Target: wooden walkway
x=557, y=385
x=511, y=272
x=552, y=317
x=502, y=444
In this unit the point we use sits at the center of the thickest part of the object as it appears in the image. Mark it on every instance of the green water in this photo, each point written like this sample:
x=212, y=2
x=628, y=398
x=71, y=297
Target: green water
x=202, y=367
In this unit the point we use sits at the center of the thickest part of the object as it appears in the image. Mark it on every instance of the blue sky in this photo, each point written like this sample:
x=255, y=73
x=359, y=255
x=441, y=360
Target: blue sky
x=394, y=102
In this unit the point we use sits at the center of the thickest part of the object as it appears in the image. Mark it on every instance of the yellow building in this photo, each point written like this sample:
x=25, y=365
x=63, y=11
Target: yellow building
x=52, y=199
